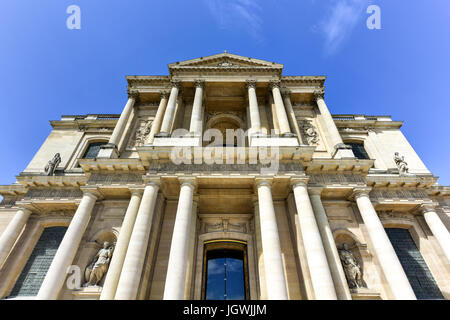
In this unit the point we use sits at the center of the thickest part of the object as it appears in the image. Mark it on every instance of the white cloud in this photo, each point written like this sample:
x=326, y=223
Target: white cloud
x=340, y=21
x=238, y=14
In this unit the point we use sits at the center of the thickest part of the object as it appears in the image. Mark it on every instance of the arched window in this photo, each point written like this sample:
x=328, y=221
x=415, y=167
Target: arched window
x=358, y=150
x=415, y=267
x=33, y=274
x=93, y=149
x=225, y=272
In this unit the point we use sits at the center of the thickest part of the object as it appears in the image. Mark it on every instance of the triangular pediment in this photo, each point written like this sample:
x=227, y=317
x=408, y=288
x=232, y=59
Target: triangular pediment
x=226, y=60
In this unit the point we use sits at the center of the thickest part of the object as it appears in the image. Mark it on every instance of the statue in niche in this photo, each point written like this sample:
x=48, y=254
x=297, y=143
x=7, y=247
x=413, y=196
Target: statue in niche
x=142, y=133
x=351, y=266
x=52, y=165
x=310, y=133
x=401, y=164
x=99, y=265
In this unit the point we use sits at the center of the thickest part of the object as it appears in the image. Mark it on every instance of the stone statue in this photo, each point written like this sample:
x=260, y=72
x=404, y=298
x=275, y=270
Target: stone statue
x=97, y=268
x=351, y=266
x=142, y=133
x=401, y=163
x=310, y=133
x=52, y=165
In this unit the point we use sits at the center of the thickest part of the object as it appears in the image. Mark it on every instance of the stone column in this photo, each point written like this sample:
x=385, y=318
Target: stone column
x=291, y=115
x=389, y=262
x=283, y=121
x=156, y=126
x=340, y=149
x=255, y=119
x=134, y=259
x=196, y=116
x=273, y=110
x=110, y=150
x=56, y=274
x=438, y=228
x=273, y=260
x=176, y=270
x=334, y=261
x=12, y=232
x=120, y=251
x=170, y=110
x=319, y=269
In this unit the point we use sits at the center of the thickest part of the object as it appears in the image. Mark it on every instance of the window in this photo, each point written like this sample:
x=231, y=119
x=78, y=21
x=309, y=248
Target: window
x=416, y=269
x=93, y=150
x=33, y=274
x=225, y=275
x=358, y=150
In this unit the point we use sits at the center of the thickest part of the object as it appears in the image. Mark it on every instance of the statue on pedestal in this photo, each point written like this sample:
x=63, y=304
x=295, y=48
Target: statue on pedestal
x=97, y=268
x=401, y=164
x=52, y=165
x=351, y=266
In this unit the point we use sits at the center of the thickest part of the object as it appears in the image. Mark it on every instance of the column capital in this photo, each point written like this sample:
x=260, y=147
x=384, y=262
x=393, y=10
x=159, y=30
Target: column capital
x=199, y=83
x=360, y=192
x=427, y=207
x=156, y=181
x=92, y=192
x=25, y=210
x=250, y=83
x=136, y=191
x=189, y=181
x=133, y=94
x=261, y=181
x=175, y=84
x=319, y=94
x=274, y=84
x=299, y=181
x=285, y=92
x=315, y=191
x=164, y=94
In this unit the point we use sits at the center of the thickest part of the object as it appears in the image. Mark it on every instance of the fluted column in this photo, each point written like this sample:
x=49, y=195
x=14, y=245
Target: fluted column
x=115, y=266
x=156, y=125
x=438, y=228
x=337, y=272
x=389, y=262
x=291, y=115
x=319, y=269
x=134, y=259
x=255, y=119
x=273, y=261
x=282, y=117
x=12, y=232
x=176, y=270
x=56, y=274
x=340, y=149
x=170, y=109
x=196, y=116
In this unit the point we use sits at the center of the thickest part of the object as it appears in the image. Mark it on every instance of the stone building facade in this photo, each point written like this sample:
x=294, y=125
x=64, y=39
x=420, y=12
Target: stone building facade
x=304, y=205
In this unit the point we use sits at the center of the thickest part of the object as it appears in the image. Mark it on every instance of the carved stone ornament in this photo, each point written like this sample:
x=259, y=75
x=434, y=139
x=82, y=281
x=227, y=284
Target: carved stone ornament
x=52, y=165
x=401, y=164
x=225, y=63
x=352, y=268
x=319, y=94
x=310, y=132
x=142, y=133
x=99, y=265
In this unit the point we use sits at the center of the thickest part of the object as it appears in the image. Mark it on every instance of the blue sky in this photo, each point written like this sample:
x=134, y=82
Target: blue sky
x=47, y=70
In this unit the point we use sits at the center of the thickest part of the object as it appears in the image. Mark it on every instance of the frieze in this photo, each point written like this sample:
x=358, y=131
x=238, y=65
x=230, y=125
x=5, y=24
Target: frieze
x=389, y=215
x=53, y=193
x=167, y=167
x=398, y=194
x=339, y=178
x=224, y=226
x=117, y=178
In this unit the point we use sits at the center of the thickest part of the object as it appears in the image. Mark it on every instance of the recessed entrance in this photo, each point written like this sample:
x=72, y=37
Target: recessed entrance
x=225, y=271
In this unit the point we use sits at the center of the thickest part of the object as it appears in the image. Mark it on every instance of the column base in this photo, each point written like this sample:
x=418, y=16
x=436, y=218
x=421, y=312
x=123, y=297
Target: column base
x=108, y=151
